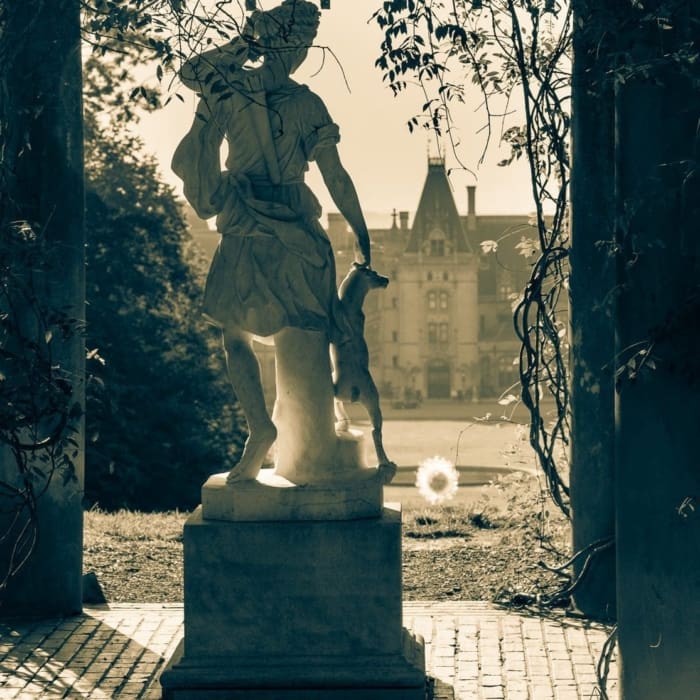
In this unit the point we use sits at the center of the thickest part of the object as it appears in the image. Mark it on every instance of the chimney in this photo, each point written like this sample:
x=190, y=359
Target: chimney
x=471, y=210
x=403, y=218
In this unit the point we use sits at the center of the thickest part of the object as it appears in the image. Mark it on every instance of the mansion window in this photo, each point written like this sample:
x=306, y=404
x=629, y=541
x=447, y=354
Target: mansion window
x=438, y=333
x=432, y=333
x=488, y=276
x=507, y=372
x=506, y=285
x=437, y=245
x=430, y=275
x=505, y=291
x=437, y=248
x=438, y=300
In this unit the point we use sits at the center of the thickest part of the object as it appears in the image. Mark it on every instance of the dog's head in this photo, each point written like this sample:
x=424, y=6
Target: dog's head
x=360, y=280
x=370, y=277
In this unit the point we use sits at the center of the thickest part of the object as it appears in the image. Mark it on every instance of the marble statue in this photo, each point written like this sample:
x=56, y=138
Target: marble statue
x=273, y=274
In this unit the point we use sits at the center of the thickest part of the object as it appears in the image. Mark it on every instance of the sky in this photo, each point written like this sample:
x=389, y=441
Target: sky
x=387, y=163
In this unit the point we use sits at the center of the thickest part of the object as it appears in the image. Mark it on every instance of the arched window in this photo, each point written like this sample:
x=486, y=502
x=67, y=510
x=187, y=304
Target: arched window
x=432, y=300
x=444, y=300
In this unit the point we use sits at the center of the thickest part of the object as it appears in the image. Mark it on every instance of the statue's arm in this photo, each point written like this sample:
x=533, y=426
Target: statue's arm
x=343, y=193
x=200, y=71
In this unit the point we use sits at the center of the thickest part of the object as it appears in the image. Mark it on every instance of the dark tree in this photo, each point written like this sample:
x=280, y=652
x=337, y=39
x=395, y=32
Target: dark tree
x=161, y=416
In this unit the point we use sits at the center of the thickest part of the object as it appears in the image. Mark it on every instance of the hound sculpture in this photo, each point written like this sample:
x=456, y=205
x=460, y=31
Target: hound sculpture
x=352, y=380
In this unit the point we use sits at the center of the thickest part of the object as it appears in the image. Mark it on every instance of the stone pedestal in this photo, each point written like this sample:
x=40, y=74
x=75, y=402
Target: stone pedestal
x=271, y=497
x=295, y=609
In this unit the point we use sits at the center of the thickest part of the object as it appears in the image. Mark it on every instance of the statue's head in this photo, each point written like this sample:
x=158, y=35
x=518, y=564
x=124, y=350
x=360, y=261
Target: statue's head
x=284, y=32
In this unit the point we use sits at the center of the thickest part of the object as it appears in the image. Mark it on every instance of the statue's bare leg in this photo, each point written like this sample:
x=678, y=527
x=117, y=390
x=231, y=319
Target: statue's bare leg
x=244, y=374
x=342, y=420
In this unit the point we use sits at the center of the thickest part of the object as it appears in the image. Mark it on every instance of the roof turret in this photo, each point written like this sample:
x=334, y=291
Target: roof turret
x=437, y=218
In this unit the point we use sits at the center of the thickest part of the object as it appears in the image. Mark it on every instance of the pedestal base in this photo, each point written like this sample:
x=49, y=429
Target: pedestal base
x=271, y=497
x=390, y=677
x=294, y=610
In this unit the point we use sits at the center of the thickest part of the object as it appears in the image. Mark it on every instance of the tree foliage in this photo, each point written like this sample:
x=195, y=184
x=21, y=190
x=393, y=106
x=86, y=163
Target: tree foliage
x=160, y=414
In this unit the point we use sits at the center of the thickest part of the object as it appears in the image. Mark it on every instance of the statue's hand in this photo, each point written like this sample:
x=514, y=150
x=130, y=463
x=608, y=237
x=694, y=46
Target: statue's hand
x=387, y=471
x=362, y=252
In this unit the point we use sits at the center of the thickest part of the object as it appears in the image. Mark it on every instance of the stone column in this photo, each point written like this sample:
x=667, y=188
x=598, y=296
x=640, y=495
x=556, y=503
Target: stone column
x=42, y=178
x=591, y=310
x=658, y=335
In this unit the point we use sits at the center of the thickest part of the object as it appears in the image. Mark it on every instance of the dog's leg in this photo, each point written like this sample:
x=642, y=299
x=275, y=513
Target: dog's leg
x=370, y=400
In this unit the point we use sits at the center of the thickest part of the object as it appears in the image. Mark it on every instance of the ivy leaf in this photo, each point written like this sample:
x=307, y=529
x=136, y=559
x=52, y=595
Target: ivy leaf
x=527, y=247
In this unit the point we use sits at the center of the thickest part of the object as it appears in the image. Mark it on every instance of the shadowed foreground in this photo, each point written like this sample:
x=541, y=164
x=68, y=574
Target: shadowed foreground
x=473, y=650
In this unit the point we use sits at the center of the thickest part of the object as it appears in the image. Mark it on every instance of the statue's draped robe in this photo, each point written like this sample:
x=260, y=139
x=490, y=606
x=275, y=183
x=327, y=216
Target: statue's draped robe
x=274, y=265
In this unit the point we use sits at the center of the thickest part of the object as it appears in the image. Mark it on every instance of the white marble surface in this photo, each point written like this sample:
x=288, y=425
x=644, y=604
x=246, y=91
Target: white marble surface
x=356, y=493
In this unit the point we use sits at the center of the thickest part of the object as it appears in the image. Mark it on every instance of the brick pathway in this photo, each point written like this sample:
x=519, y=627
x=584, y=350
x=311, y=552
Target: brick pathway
x=473, y=651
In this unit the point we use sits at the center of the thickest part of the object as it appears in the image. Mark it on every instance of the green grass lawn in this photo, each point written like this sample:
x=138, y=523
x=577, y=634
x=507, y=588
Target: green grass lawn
x=464, y=551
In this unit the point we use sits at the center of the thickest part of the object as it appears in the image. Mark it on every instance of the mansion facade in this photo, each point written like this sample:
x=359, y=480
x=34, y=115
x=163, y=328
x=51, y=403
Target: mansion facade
x=443, y=327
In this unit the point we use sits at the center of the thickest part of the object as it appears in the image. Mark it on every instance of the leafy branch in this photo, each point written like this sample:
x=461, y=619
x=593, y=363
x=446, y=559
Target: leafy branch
x=38, y=409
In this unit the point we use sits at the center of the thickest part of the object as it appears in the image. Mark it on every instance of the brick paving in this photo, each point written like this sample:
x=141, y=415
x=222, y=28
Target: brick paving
x=474, y=651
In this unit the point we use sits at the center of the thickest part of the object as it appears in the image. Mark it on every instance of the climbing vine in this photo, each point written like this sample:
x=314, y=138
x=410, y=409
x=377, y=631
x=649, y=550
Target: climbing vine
x=39, y=412
x=516, y=54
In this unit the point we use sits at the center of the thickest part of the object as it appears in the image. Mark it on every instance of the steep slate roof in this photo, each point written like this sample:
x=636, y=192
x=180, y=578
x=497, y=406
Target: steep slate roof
x=437, y=209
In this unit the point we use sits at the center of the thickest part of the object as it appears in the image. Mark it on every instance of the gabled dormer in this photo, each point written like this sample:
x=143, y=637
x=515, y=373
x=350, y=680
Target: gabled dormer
x=437, y=228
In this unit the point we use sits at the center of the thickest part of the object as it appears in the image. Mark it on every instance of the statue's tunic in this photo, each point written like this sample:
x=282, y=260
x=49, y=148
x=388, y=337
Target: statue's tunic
x=274, y=265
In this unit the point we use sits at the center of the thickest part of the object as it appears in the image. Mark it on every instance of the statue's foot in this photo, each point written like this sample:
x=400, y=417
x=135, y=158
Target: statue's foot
x=387, y=471
x=254, y=452
x=342, y=426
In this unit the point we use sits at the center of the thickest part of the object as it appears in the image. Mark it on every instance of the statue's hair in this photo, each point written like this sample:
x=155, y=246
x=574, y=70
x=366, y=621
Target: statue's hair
x=294, y=23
